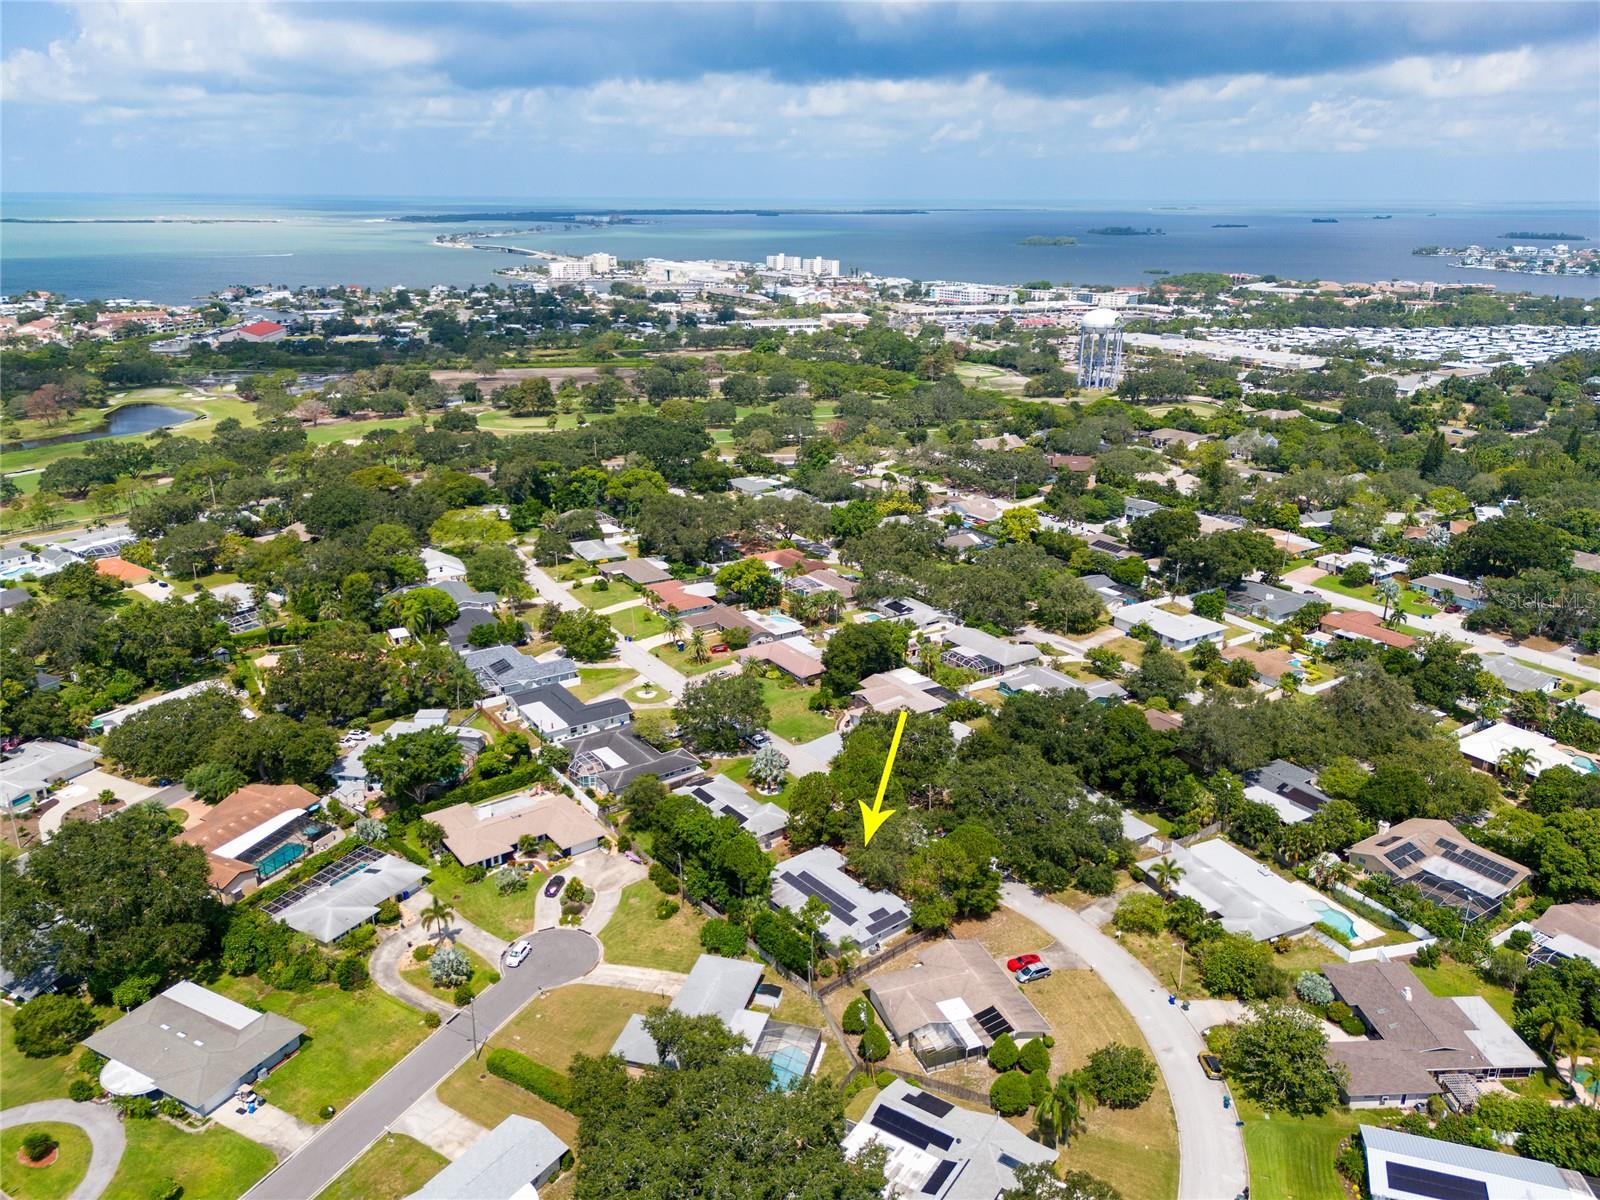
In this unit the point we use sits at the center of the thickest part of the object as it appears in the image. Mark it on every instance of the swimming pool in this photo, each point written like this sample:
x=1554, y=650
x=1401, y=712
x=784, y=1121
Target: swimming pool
x=789, y=1065
x=1334, y=917
x=1585, y=765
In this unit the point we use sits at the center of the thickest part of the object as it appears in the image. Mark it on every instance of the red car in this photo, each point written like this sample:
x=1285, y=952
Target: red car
x=1020, y=961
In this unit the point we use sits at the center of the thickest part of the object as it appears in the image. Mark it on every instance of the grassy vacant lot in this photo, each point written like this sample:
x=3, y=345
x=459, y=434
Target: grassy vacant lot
x=680, y=660
x=217, y=1164
x=591, y=595
x=638, y=623
x=596, y=681
x=351, y=1039
x=1291, y=1158
x=791, y=719
x=393, y=1167
x=1411, y=602
x=416, y=974
x=43, y=1183
x=635, y=936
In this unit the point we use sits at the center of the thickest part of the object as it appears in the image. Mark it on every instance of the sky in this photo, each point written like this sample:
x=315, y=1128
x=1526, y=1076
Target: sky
x=796, y=102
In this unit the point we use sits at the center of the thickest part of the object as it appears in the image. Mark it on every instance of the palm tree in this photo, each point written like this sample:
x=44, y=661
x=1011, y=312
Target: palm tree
x=1061, y=1113
x=673, y=620
x=1514, y=764
x=437, y=916
x=1165, y=873
x=697, y=647
x=1576, y=1042
x=1390, y=591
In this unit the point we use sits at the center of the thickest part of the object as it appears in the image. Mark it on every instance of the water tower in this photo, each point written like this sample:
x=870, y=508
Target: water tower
x=1099, y=349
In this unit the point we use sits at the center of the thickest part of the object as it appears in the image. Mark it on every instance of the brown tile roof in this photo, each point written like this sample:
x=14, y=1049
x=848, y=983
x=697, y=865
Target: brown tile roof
x=786, y=658
x=1367, y=625
x=247, y=808
x=121, y=568
x=671, y=593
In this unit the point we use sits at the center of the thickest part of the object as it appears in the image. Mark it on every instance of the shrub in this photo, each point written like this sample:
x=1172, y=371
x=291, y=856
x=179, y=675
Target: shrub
x=1038, y=1085
x=885, y=1078
x=666, y=909
x=857, y=1016
x=475, y=873
x=1011, y=1094
x=1140, y=912
x=463, y=994
x=548, y=1085
x=301, y=971
x=134, y=991
x=168, y=1107
x=450, y=967
x=1234, y=965
x=1428, y=956
x=136, y=1108
x=1098, y=879
x=664, y=879
x=1035, y=1056
x=371, y=830
x=1520, y=939
x=1313, y=988
x=431, y=1020
x=359, y=940
x=857, y=1085
x=389, y=912
x=1353, y=1025
x=38, y=1145
x=508, y=880
x=1338, y=1012
x=1003, y=1054
x=874, y=1044
x=350, y=973
x=90, y=1063
x=51, y=1025
x=424, y=952
x=721, y=936
x=81, y=1090
x=1121, y=1076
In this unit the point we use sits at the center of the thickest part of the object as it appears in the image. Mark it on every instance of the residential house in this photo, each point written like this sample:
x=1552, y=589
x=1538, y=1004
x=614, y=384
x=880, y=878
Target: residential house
x=1290, y=790
x=976, y=510
x=511, y=1162
x=1268, y=666
x=1251, y=443
x=1176, y=631
x=33, y=769
x=458, y=634
x=1518, y=677
x=486, y=835
x=975, y=650
x=502, y=669
x=557, y=715
x=347, y=894
x=1240, y=892
x=1292, y=544
x=789, y=656
x=910, y=609
x=967, y=540
x=754, y=485
x=1003, y=441
x=787, y=559
x=1112, y=594
x=1419, y=1044
x=193, y=1045
x=1265, y=602
x=256, y=832
x=13, y=598
x=1165, y=438
x=902, y=688
x=952, y=1003
x=1562, y=931
x=1133, y=508
x=1036, y=678
x=1487, y=747
x=1365, y=626
x=1379, y=567
x=1443, y=864
x=762, y=820
x=720, y=618
x=821, y=581
x=441, y=566
x=1403, y=1166
x=1449, y=589
x=854, y=912
x=638, y=570
x=687, y=599
x=106, y=722
x=938, y=1150
x=610, y=760
x=593, y=550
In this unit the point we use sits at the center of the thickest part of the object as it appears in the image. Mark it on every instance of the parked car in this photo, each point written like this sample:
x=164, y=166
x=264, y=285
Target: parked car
x=1020, y=961
x=1033, y=971
x=632, y=856
x=1211, y=1065
x=553, y=888
x=517, y=952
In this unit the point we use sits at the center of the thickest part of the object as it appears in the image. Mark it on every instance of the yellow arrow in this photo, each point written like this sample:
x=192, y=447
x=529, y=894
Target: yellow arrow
x=872, y=819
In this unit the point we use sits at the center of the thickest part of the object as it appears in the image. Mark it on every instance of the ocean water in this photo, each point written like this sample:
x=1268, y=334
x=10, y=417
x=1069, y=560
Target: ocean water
x=110, y=248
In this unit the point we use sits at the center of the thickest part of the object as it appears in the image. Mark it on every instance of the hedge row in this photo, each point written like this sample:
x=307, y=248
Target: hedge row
x=537, y=1078
x=513, y=780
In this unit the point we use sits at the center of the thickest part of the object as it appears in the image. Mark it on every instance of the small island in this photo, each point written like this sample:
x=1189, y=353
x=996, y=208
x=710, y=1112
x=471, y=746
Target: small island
x=1324, y=220
x=1126, y=231
x=1041, y=240
x=1547, y=237
x=1229, y=225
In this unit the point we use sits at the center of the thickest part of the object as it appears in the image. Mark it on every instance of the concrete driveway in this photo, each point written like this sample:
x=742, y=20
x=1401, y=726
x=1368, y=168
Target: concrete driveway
x=559, y=956
x=99, y=1121
x=1211, y=1155
x=607, y=874
x=275, y=1129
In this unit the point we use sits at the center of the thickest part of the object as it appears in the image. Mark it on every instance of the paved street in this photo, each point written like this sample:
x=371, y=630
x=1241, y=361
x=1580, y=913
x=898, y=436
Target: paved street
x=559, y=956
x=1211, y=1152
x=99, y=1121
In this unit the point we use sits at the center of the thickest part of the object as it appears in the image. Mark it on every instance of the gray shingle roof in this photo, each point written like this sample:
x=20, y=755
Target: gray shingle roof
x=499, y=1165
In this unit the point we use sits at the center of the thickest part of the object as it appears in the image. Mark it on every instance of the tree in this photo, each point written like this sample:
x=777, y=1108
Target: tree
x=1238, y=965
x=52, y=1024
x=166, y=741
x=750, y=583
x=874, y=1046
x=1275, y=1058
x=1038, y=1181
x=213, y=782
x=412, y=764
x=1211, y=605
x=857, y=651
x=112, y=898
x=768, y=769
x=497, y=568
x=449, y=968
x=1120, y=1076
x=1140, y=912
x=1062, y=1111
x=1003, y=1052
x=1165, y=873
x=1154, y=536
x=1067, y=604
x=718, y=714
x=1018, y=524
x=437, y=917
x=1161, y=673
x=1508, y=546
x=1010, y=1094
x=424, y=610
x=585, y=635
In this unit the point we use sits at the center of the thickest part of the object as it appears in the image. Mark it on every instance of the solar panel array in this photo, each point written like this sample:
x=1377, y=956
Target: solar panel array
x=812, y=886
x=1404, y=856
x=1302, y=797
x=1422, y=1182
x=940, y=1174
x=326, y=877
x=883, y=918
x=929, y=1103
x=909, y=1130
x=1481, y=863
x=992, y=1022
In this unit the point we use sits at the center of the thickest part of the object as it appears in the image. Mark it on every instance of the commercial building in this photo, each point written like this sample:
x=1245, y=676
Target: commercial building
x=610, y=760
x=1403, y=1166
x=1177, y=631
x=255, y=833
x=975, y=650
x=1419, y=1044
x=193, y=1045
x=856, y=912
x=486, y=835
x=939, y=1150
x=762, y=820
x=1442, y=863
x=511, y=1162
x=952, y=1004
x=29, y=772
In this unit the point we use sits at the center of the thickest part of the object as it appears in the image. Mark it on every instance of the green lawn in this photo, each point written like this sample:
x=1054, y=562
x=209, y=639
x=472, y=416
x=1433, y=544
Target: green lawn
x=1451, y=978
x=393, y=1167
x=595, y=681
x=592, y=595
x=416, y=973
x=24, y=1080
x=792, y=720
x=43, y=1183
x=680, y=660
x=217, y=1164
x=1411, y=602
x=738, y=770
x=637, y=623
x=351, y=1039
x=507, y=917
x=637, y=937
x=645, y=693
x=1292, y=1158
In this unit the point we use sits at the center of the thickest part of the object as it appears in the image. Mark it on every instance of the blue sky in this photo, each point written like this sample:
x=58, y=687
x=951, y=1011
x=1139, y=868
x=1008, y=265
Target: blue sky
x=794, y=102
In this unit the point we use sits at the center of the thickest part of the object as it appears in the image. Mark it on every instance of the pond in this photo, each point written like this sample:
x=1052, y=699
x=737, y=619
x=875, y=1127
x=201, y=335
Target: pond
x=123, y=421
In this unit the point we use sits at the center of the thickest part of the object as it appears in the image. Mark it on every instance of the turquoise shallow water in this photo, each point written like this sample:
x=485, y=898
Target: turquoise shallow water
x=329, y=241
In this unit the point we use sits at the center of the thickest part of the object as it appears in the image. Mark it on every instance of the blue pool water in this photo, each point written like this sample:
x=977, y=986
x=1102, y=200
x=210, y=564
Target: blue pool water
x=1585, y=765
x=788, y=1067
x=1335, y=918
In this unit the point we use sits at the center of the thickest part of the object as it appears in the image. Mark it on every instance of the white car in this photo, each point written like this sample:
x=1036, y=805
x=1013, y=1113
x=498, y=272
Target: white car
x=516, y=952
